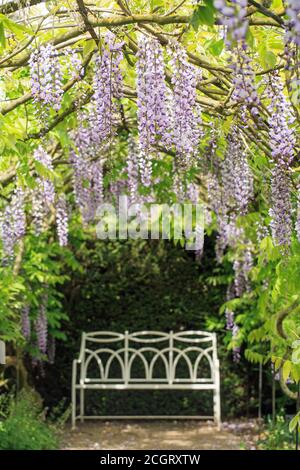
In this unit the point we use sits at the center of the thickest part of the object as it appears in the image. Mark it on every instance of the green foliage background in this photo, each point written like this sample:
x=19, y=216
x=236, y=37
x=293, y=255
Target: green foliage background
x=147, y=285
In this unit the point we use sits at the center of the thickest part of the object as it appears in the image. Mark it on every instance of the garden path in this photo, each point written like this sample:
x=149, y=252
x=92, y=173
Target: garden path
x=160, y=435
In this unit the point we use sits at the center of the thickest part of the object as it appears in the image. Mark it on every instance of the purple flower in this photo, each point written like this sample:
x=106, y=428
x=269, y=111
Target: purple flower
x=75, y=63
x=293, y=11
x=26, y=327
x=43, y=195
x=186, y=119
x=233, y=17
x=233, y=327
x=132, y=170
x=41, y=327
x=13, y=223
x=243, y=82
x=237, y=178
x=107, y=88
x=282, y=142
x=62, y=220
x=46, y=78
x=152, y=114
x=281, y=210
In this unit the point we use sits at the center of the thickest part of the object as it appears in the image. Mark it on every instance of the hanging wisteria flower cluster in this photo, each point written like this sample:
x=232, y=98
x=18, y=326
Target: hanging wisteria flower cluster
x=88, y=184
x=234, y=328
x=132, y=165
x=282, y=142
x=46, y=78
x=187, y=129
x=107, y=88
x=76, y=69
x=13, y=223
x=234, y=17
x=293, y=11
x=153, y=124
x=13, y=219
x=230, y=191
x=25, y=322
x=243, y=81
x=41, y=326
x=242, y=266
x=62, y=220
x=237, y=178
x=43, y=195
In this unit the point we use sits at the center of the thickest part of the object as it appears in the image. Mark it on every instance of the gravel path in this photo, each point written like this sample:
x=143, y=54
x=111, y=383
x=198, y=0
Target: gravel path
x=148, y=435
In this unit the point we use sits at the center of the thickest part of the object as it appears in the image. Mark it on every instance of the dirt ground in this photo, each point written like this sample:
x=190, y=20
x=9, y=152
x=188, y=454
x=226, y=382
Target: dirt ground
x=157, y=435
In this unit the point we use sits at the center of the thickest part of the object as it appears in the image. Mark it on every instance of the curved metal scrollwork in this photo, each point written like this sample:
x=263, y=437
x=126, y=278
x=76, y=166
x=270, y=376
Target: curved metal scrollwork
x=147, y=360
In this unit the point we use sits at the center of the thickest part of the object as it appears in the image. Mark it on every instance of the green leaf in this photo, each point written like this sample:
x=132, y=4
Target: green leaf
x=18, y=29
x=88, y=47
x=203, y=14
x=286, y=369
x=294, y=422
x=216, y=47
x=295, y=372
x=2, y=35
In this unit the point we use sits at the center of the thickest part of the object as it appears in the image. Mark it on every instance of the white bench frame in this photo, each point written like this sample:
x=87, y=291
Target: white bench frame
x=204, y=343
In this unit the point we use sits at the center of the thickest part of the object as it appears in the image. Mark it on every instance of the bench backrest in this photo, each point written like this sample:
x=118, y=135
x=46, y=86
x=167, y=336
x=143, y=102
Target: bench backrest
x=149, y=357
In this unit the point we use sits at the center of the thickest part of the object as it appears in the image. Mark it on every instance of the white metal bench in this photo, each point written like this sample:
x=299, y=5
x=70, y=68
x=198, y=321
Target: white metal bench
x=110, y=360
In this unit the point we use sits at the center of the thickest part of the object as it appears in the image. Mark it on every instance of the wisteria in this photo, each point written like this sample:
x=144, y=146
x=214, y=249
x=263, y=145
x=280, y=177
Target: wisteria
x=44, y=183
x=242, y=266
x=234, y=17
x=7, y=234
x=18, y=213
x=75, y=62
x=243, y=80
x=107, y=87
x=237, y=177
x=282, y=142
x=153, y=123
x=281, y=210
x=262, y=231
x=217, y=203
x=192, y=193
x=87, y=183
x=41, y=327
x=81, y=189
x=62, y=220
x=96, y=170
x=46, y=78
x=132, y=170
x=13, y=223
x=231, y=324
x=25, y=322
x=145, y=168
x=293, y=11
x=43, y=195
x=236, y=350
x=178, y=187
x=187, y=120
x=282, y=137
x=39, y=211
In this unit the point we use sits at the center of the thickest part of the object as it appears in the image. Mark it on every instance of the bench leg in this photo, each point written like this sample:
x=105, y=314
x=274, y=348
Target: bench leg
x=81, y=404
x=73, y=408
x=73, y=393
x=217, y=408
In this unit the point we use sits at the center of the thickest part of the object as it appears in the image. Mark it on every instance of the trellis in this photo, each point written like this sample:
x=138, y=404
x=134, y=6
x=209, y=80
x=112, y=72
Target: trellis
x=82, y=24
